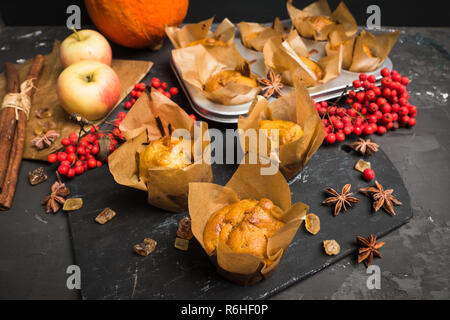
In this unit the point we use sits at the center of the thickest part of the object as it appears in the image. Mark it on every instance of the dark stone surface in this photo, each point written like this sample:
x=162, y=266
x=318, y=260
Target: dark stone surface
x=35, y=248
x=111, y=270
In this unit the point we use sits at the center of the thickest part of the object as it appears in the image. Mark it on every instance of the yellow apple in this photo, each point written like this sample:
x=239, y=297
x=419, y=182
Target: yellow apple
x=89, y=88
x=85, y=45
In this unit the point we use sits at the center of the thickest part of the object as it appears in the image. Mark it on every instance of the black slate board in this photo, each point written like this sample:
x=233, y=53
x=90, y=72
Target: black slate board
x=111, y=270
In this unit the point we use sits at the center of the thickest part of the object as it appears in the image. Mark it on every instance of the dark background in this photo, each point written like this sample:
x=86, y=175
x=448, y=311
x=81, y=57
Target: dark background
x=393, y=13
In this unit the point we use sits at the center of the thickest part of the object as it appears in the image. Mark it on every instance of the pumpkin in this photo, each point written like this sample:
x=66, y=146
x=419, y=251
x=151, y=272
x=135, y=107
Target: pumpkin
x=136, y=24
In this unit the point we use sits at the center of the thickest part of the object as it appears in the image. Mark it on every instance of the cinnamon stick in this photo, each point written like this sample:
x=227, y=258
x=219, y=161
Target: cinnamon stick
x=8, y=121
x=15, y=159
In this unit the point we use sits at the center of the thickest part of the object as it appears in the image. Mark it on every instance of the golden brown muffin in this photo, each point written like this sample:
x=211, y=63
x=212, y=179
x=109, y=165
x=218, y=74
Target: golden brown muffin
x=313, y=66
x=244, y=226
x=288, y=130
x=319, y=22
x=209, y=42
x=222, y=78
x=166, y=152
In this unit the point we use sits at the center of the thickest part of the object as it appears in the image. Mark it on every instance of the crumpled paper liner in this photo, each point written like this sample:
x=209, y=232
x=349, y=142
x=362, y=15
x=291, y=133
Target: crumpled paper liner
x=255, y=35
x=247, y=182
x=296, y=107
x=336, y=39
x=197, y=64
x=183, y=37
x=167, y=188
x=379, y=45
x=284, y=58
x=128, y=71
x=340, y=16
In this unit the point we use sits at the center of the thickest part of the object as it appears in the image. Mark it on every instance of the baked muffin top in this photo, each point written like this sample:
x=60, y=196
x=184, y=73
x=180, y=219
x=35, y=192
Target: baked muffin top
x=244, y=226
x=288, y=130
x=209, y=42
x=222, y=78
x=166, y=152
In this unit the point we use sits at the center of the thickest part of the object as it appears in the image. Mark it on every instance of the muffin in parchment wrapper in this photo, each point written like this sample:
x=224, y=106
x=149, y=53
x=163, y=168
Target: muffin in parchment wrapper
x=246, y=183
x=291, y=56
x=198, y=65
x=200, y=33
x=336, y=39
x=371, y=50
x=316, y=20
x=255, y=35
x=296, y=107
x=167, y=187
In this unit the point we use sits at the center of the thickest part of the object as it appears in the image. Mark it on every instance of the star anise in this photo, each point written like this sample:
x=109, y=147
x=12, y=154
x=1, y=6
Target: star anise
x=54, y=201
x=368, y=248
x=365, y=147
x=382, y=198
x=272, y=85
x=340, y=200
x=45, y=140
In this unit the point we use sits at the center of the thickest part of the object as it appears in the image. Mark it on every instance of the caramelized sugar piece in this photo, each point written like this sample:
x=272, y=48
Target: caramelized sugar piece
x=184, y=229
x=331, y=247
x=312, y=223
x=362, y=165
x=145, y=247
x=37, y=176
x=106, y=215
x=73, y=204
x=181, y=244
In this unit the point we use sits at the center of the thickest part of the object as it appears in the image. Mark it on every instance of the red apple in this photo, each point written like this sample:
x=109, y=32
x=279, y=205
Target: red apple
x=89, y=88
x=85, y=45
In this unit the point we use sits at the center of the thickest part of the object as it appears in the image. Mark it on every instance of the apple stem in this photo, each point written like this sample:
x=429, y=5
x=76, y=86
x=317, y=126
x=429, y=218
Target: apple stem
x=89, y=77
x=76, y=33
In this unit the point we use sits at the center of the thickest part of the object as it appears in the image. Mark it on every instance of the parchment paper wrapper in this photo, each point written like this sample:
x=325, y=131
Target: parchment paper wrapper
x=247, y=182
x=255, y=35
x=197, y=64
x=337, y=38
x=379, y=45
x=183, y=37
x=340, y=16
x=296, y=107
x=284, y=58
x=129, y=72
x=167, y=188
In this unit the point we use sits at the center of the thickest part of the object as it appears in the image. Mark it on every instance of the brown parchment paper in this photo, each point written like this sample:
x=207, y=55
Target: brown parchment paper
x=337, y=38
x=129, y=72
x=278, y=60
x=255, y=35
x=183, y=37
x=284, y=58
x=167, y=188
x=247, y=183
x=379, y=45
x=297, y=107
x=197, y=64
x=340, y=16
